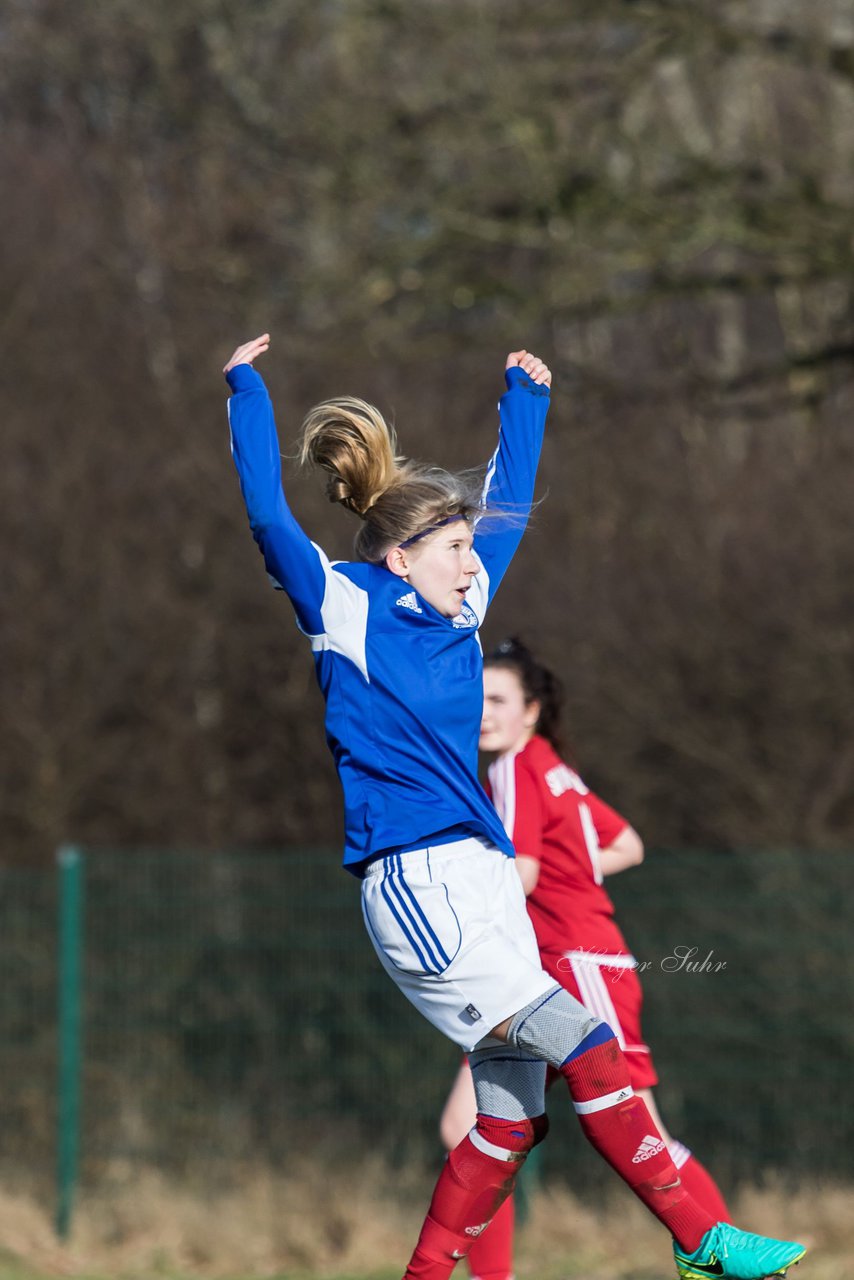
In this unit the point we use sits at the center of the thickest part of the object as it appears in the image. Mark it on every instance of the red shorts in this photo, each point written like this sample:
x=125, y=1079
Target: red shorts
x=611, y=991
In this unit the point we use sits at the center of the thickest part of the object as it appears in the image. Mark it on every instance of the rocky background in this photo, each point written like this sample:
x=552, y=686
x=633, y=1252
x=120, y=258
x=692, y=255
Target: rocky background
x=657, y=197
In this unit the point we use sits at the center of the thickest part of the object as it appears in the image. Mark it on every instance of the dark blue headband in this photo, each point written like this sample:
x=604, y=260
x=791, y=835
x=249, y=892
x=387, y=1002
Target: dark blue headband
x=440, y=524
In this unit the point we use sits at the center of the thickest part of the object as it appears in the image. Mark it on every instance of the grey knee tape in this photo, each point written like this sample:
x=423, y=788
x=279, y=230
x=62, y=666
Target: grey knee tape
x=551, y=1026
x=509, y=1083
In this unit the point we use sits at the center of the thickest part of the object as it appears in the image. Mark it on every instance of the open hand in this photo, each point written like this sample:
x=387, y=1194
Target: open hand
x=249, y=351
x=536, y=370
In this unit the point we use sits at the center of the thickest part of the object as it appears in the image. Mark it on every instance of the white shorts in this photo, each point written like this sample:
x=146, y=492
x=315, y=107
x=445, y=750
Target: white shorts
x=450, y=926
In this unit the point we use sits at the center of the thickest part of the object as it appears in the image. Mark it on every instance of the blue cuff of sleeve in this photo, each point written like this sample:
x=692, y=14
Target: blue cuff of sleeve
x=516, y=377
x=243, y=378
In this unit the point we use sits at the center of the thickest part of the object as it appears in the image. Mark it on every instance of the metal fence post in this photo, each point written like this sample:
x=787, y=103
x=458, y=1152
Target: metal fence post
x=528, y=1184
x=70, y=865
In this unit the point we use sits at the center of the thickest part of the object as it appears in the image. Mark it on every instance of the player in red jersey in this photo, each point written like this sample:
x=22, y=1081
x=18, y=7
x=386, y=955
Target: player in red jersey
x=567, y=840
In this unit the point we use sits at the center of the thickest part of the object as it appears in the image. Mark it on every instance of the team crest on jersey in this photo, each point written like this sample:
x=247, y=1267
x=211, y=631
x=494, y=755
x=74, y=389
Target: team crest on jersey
x=465, y=618
x=409, y=602
x=561, y=779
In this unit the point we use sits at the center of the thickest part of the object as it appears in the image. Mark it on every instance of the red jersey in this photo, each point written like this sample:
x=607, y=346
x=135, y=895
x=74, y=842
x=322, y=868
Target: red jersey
x=550, y=815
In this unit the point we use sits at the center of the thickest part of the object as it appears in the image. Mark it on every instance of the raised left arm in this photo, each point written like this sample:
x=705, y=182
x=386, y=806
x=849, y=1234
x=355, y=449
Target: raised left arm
x=509, y=484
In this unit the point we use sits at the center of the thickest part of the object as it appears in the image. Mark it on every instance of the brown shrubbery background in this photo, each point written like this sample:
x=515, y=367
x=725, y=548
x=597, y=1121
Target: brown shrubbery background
x=657, y=197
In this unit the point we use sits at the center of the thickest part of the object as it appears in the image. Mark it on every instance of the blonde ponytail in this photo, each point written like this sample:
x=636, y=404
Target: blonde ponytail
x=397, y=499
x=351, y=440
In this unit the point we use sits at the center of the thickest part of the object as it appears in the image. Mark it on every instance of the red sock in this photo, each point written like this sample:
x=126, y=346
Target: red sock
x=620, y=1128
x=491, y=1255
x=699, y=1183
x=475, y=1181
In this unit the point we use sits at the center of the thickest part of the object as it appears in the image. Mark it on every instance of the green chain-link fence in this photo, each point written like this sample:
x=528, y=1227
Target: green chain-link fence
x=231, y=1009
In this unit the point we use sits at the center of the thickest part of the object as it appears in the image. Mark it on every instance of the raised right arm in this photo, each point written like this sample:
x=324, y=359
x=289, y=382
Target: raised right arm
x=292, y=560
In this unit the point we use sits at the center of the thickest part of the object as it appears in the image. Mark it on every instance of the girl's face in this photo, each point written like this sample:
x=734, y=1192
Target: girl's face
x=508, y=720
x=441, y=568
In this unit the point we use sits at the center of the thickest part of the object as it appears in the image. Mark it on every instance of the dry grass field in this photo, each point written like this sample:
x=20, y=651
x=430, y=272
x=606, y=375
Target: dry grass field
x=322, y=1224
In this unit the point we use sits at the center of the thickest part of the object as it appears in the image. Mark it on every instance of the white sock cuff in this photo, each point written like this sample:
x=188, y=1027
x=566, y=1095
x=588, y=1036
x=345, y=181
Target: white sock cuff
x=490, y=1149
x=604, y=1101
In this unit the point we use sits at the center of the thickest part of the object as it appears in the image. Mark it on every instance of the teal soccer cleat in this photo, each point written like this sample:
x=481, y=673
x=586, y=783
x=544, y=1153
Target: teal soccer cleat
x=729, y=1254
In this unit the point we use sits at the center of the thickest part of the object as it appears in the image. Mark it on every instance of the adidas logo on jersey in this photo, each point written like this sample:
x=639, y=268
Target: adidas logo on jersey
x=648, y=1148
x=476, y=1231
x=409, y=602
x=560, y=779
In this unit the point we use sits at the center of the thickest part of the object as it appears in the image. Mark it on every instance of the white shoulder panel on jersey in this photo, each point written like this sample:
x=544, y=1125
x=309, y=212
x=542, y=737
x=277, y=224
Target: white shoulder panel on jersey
x=344, y=613
x=477, y=595
x=502, y=779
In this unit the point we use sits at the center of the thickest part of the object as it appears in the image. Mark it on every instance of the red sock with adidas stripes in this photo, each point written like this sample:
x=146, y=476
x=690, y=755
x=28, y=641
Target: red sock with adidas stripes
x=698, y=1182
x=619, y=1126
x=491, y=1255
x=475, y=1181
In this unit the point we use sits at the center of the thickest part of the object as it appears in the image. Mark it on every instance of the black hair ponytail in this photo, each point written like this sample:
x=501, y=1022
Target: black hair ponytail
x=539, y=684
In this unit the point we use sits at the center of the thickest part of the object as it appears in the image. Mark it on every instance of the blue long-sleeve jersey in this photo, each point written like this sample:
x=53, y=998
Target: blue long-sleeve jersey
x=403, y=684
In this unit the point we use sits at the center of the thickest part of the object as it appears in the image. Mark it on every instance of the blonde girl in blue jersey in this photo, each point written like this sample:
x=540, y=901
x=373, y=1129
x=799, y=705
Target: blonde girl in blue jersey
x=395, y=640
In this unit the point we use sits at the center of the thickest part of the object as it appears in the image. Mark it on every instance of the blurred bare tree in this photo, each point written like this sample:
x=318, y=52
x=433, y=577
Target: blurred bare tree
x=657, y=196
